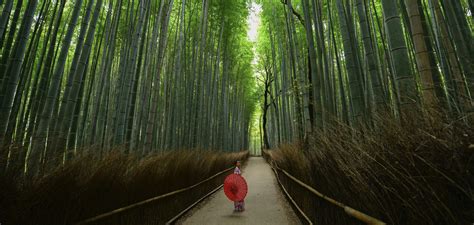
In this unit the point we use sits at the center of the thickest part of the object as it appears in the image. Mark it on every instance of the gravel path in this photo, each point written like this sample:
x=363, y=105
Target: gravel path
x=264, y=204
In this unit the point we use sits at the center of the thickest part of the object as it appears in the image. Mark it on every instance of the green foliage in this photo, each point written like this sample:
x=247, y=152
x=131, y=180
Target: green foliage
x=153, y=79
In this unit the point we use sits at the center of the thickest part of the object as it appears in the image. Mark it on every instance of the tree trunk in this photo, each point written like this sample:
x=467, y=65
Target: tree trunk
x=404, y=79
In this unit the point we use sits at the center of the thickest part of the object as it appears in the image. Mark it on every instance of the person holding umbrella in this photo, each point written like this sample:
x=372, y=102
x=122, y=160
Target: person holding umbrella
x=235, y=188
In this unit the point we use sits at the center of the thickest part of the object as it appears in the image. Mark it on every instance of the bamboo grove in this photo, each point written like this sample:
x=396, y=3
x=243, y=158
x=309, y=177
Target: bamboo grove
x=142, y=74
x=355, y=60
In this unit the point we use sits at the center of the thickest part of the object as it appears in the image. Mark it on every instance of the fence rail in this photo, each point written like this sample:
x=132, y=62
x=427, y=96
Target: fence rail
x=150, y=211
x=302, y=202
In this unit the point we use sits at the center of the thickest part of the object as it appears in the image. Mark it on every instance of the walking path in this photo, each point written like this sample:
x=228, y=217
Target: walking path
x=264, y=204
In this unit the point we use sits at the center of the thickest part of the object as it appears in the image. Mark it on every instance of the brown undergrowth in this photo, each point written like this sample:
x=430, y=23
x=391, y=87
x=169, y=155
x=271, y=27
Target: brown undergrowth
x=420, y=173
x=87, y=186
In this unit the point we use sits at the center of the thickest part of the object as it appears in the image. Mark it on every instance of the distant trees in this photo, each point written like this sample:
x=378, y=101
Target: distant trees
x=146, y=75
x=360, y=59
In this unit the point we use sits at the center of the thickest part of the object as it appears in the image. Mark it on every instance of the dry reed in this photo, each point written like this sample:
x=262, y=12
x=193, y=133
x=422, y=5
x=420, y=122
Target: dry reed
x=419, y=173
x=88, y=186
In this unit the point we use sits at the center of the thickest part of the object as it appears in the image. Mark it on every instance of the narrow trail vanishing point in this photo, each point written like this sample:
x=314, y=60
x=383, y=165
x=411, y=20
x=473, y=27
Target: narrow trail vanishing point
x=264, y=204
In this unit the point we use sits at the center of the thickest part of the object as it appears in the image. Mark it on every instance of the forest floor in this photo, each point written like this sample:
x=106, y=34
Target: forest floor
x=264, y=204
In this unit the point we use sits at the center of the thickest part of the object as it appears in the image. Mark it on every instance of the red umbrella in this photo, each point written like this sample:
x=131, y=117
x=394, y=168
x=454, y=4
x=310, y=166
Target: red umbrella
x=235, y=187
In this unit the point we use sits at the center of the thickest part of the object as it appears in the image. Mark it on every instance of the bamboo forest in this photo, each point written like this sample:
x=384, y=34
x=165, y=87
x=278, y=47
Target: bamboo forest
x=236, y=112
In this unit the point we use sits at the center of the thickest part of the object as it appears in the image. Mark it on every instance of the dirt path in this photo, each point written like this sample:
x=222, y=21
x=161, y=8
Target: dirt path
x=264, y=204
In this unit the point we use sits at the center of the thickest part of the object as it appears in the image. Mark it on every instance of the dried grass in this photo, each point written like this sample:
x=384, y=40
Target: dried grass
x=88, y=186
x=419, y=173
